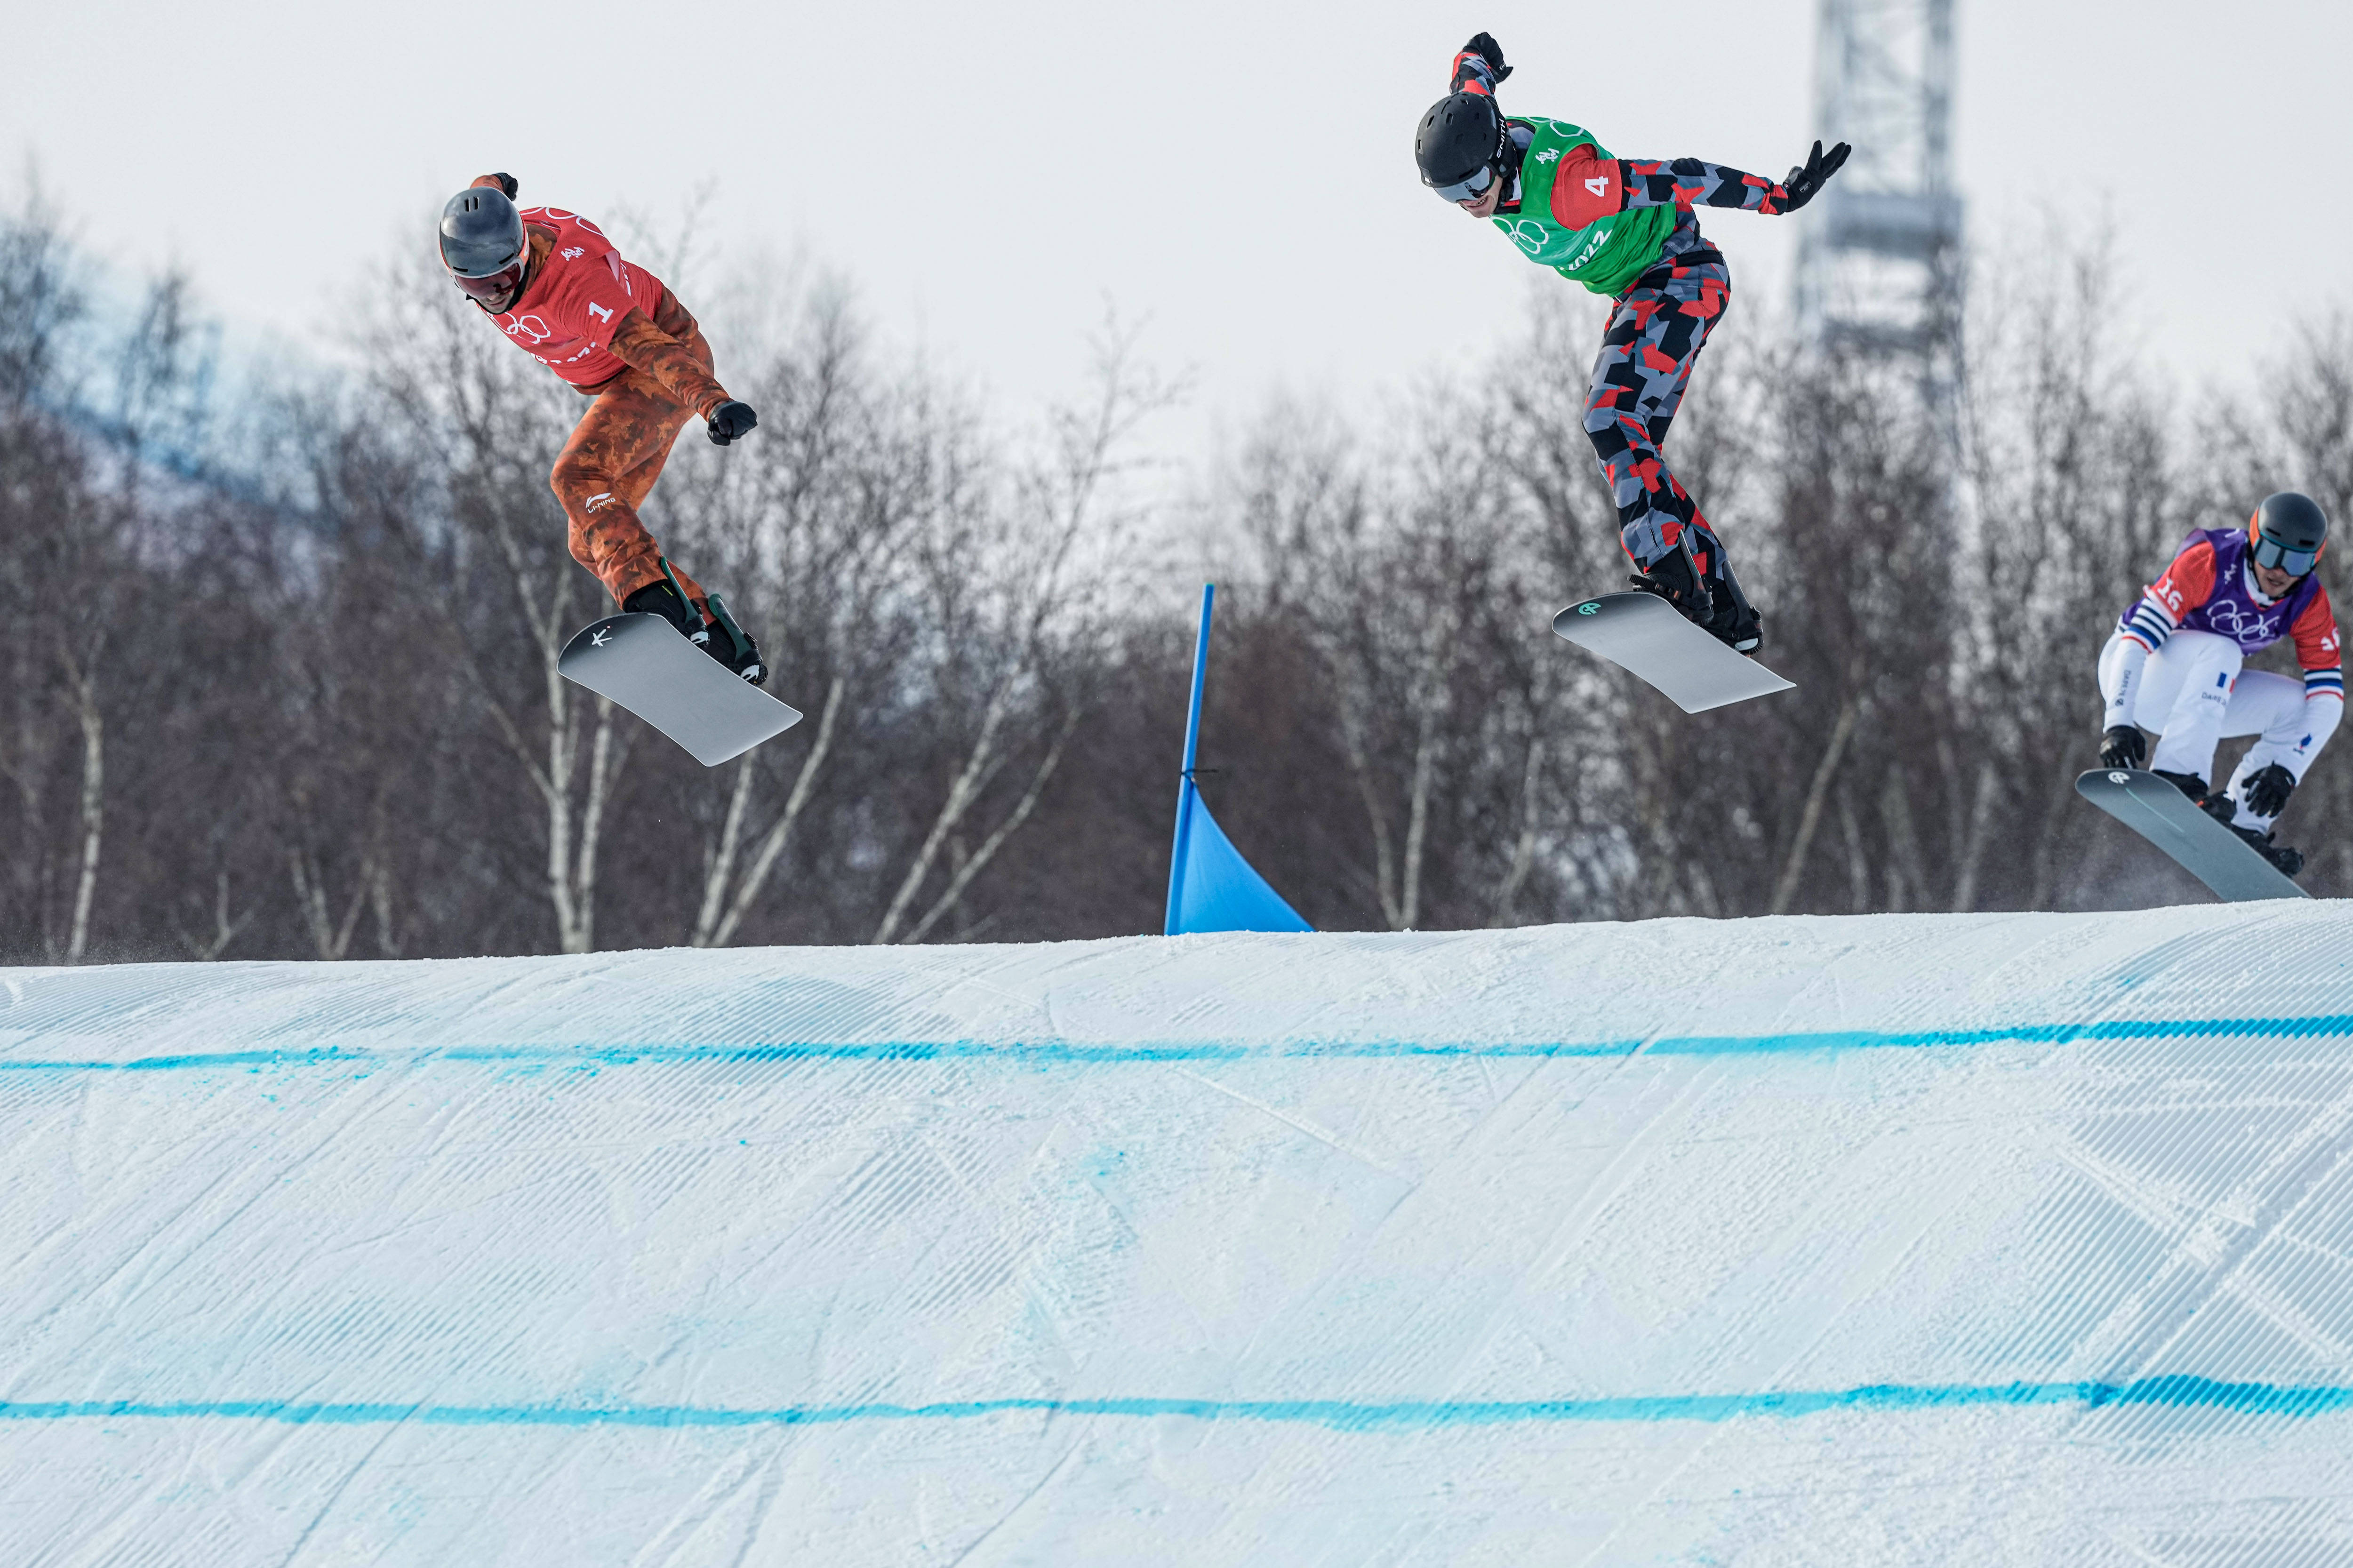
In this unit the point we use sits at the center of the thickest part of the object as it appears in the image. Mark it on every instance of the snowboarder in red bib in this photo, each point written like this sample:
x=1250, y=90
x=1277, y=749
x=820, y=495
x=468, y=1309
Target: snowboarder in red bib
x=556, y=286
x=2172, y=666
x=1625, y=228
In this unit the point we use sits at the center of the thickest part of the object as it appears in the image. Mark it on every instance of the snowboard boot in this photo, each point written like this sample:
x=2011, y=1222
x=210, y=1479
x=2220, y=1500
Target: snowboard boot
x=1714, y=603
x=2194, y=787
x=1736, y=621
x=663, y=598
x=705, y=623
x=2289, y=861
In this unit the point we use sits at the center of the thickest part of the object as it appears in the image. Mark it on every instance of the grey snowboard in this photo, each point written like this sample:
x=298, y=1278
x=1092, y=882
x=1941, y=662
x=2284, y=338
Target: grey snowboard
x=645, y=665
x=2206, y=849
x=1643, y=634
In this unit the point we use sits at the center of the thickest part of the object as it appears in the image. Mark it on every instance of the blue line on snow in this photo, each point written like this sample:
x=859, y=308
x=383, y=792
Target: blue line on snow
x=2175, y=1392
x=2332, y=1026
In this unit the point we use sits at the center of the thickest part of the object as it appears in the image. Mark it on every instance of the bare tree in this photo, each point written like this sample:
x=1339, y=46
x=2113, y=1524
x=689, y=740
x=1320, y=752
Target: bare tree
x=816, y=522
x=280, y=679
x=470, y=403
x=722, y=913
x=81, y=681
x=1019, y=591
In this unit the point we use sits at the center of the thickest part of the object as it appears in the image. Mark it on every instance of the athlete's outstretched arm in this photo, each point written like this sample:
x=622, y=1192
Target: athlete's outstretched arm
x=1690, y=183
x=1590, y=187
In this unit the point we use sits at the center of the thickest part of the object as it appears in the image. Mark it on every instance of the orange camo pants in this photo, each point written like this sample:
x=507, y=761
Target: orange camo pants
x=608, y=468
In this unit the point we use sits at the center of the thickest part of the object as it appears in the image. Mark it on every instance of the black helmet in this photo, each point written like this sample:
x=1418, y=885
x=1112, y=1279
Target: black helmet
x=2288, y=531
x=482, y=244
x=1462, y=144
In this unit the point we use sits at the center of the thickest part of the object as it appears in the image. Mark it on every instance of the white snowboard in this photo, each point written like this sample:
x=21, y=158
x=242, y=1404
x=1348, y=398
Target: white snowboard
x=2204, y=847
x=643, y=663
x=1643, y=634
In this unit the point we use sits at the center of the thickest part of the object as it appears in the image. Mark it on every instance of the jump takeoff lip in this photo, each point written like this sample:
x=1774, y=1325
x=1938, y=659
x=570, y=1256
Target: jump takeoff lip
x=436, y=1251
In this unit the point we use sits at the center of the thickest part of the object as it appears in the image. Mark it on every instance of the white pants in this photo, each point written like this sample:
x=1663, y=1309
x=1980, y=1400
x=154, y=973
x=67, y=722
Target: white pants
x=2194, y=695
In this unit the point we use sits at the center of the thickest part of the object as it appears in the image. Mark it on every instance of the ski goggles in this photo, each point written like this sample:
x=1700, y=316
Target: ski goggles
x=1470, y=187
x=496, y=286
x=2271, y=553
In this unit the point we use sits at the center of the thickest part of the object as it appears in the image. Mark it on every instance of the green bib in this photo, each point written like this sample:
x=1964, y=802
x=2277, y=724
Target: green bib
x=1605, y=257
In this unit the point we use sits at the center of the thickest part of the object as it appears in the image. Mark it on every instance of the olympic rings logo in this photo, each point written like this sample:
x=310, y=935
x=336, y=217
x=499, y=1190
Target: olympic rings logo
x=557, y=214
x=2230, y=621
x=1527, y=234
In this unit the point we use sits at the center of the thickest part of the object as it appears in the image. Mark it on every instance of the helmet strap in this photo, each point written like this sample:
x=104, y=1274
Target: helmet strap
x=1509, y=158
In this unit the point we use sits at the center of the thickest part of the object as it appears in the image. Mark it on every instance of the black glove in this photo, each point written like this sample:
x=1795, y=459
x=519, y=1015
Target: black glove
x=2123, y=746
x=2266, y=790
x=1484, y=45
x=731, y=421
x=1804, y=184
x=506, y=183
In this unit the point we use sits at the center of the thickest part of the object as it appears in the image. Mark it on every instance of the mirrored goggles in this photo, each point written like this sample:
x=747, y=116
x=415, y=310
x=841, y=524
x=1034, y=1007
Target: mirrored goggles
x=497, y=286
x=1471, y=186
x=2270, y=552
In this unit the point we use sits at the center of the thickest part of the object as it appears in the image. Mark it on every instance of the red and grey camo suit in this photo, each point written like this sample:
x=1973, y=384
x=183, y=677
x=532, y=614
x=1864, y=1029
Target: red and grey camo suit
x=1657, y=327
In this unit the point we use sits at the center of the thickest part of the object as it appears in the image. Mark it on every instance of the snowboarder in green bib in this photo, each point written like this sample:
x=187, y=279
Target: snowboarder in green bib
x=1626, y=229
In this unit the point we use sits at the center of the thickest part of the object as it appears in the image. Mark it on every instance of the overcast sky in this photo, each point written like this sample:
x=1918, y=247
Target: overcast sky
x=987, y=175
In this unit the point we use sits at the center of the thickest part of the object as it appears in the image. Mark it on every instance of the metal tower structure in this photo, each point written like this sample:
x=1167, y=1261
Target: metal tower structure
x=1879, y=269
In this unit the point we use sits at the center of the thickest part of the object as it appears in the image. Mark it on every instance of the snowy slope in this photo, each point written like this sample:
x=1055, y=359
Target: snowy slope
x=1989, y=1240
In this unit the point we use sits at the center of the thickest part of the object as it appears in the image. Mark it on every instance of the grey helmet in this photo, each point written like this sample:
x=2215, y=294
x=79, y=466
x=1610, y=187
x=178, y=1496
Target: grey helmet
x=483, y=244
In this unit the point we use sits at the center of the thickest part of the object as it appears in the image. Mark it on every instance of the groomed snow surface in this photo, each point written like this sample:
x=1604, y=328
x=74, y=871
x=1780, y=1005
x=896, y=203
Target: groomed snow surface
x=1907, y=1239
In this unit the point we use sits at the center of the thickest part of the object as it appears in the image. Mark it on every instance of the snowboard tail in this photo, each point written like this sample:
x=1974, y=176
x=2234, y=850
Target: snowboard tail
x=1645, y=636
x=646, y=665
x=2202, y=846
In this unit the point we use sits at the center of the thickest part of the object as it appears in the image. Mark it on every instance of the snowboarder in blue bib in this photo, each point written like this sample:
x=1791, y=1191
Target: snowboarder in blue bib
x=1624, y=228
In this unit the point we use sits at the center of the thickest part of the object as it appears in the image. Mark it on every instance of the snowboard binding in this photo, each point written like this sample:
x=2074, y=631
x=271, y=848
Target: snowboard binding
x=1713, y=603
x=2218, y=805
x=2289, y=861
x=731, y=646
x=720, y=635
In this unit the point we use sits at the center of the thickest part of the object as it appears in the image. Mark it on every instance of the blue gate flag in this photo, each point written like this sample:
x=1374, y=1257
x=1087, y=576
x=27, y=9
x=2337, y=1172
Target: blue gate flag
x=1210, y=886
x=1216, y=889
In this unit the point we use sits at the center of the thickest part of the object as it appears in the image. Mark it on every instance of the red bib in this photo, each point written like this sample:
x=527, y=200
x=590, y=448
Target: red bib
x=566, y=318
